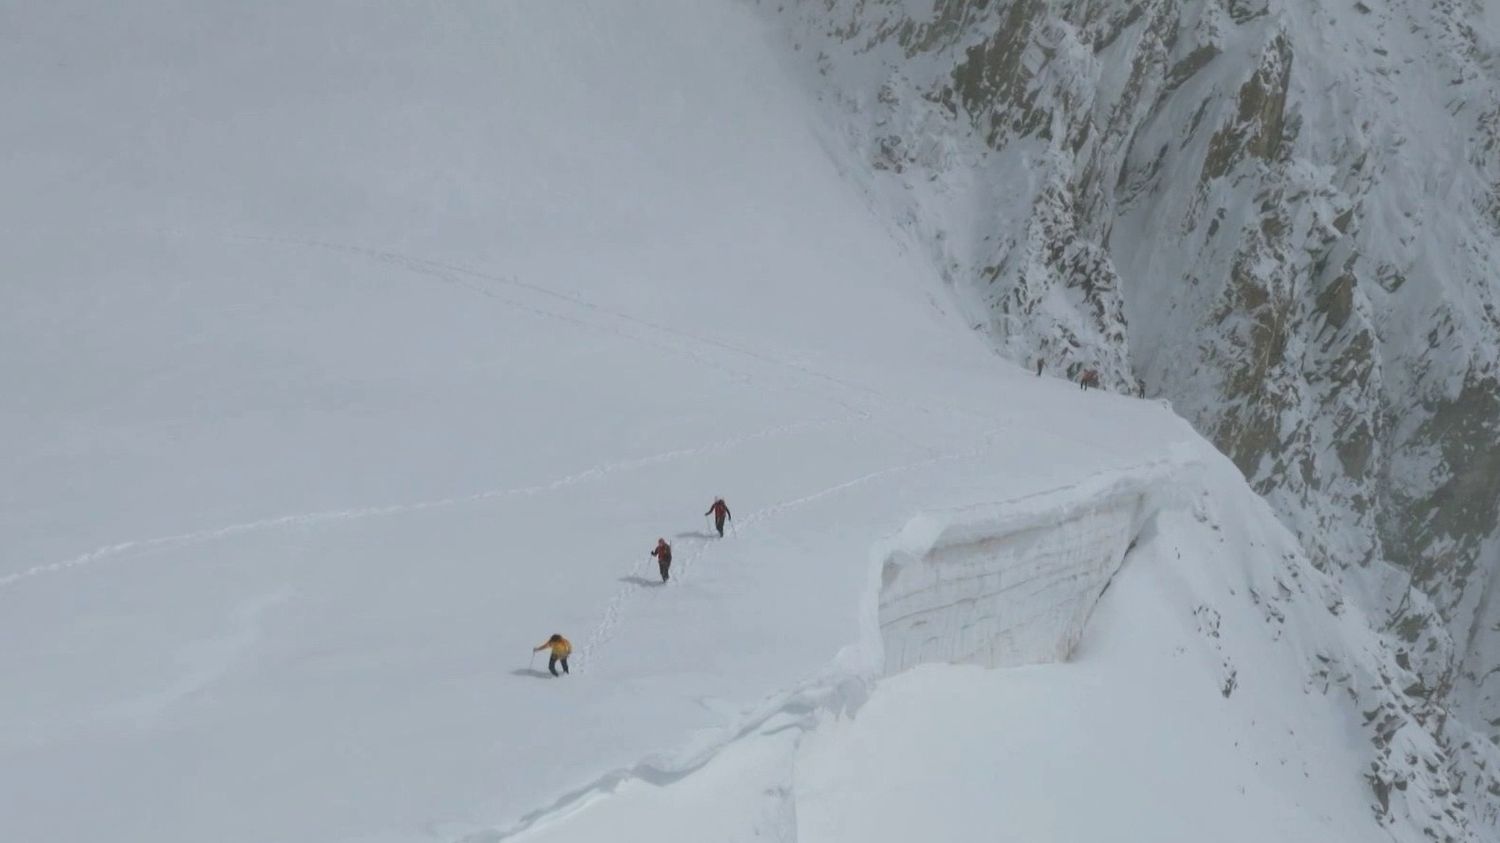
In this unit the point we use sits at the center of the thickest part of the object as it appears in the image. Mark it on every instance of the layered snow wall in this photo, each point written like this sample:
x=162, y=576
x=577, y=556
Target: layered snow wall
x=1008, y=584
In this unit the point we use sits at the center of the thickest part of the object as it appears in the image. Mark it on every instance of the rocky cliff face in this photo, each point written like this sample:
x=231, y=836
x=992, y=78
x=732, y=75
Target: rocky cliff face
x=1282, y=216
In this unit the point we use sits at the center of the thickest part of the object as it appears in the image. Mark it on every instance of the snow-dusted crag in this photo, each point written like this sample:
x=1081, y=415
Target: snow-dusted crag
x=1282, y=216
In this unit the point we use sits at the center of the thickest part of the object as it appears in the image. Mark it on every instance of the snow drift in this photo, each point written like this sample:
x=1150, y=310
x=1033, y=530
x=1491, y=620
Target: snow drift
x=1007, y=585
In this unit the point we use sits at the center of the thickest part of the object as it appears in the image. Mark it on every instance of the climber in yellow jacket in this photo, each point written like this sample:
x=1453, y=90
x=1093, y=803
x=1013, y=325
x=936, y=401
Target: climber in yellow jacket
x=561, y=649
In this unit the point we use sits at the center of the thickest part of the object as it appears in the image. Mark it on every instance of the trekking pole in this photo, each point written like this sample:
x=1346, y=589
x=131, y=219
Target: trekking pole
x=532, y=664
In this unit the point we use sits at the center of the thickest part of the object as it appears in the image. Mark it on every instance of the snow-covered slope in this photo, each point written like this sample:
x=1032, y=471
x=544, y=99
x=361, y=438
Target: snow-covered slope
x=1189, y=713
x=348, y=350
x=1214, y=695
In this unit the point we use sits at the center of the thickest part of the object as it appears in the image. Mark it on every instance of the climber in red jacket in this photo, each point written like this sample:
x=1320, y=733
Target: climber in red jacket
x=719, y=511
x=663, y=554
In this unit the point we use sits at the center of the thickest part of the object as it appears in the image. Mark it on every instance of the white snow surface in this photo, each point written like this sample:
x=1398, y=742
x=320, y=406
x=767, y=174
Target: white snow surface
x=1194, y=709
x=348, y=350
x=1013, y=584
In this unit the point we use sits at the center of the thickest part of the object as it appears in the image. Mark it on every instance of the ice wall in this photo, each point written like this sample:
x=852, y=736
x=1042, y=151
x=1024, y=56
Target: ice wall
x=1008, y=584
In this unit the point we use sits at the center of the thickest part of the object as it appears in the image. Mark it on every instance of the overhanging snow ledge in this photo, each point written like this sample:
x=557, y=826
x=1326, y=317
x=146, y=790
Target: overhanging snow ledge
x=1009, y=583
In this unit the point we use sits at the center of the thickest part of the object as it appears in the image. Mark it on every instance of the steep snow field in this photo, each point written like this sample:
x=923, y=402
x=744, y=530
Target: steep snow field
x=1182, y=717
x=348, y=350
x=1185, y=715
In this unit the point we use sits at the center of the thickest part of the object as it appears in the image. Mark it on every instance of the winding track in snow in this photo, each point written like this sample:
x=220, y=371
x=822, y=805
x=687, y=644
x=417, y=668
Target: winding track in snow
x=671, y=338
x=604, y=630
x=655, y=334
x=455, y=274
x=110, y=551
x=462, y=277
x=664, y=337
x=635, y=329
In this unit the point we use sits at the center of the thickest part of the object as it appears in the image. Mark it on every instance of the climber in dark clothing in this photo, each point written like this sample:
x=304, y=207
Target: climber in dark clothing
x=719, y=511
x=663, y=554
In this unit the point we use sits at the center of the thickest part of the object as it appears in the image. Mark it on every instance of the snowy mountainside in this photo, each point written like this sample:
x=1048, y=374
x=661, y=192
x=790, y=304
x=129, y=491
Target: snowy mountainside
x=1218, y=685
x=349, y=350
x=1280, y=216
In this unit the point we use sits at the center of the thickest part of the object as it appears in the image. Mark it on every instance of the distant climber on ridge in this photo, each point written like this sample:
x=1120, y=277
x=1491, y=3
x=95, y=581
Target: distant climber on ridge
x=663, y=554
x=561, y=649
x=719, y=511
x=1088, y=380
